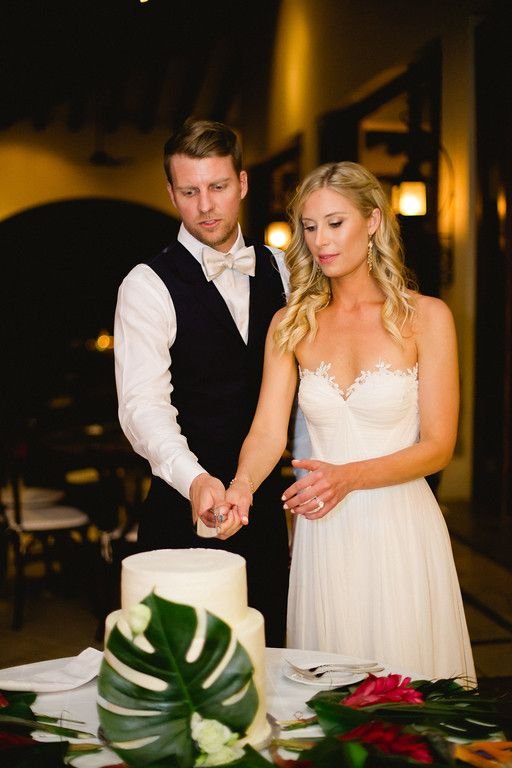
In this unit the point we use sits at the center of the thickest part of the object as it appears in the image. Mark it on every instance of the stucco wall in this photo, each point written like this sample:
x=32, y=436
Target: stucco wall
x=326, y=52
x=53, y=164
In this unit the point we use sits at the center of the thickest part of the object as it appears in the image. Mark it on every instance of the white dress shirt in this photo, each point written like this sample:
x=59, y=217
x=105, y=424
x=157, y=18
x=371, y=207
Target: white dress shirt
x=144, y=332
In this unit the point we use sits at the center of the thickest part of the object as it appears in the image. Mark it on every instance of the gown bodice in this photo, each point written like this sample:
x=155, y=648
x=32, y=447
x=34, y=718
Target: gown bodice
x=377, y=415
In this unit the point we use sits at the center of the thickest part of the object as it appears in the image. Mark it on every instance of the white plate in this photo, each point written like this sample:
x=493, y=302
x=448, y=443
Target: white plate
x=34, y=497
x=329, y=680
x=52, y=675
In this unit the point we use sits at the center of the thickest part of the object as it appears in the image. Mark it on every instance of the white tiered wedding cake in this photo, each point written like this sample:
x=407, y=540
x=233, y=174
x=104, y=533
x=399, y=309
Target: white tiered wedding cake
x=206, y=579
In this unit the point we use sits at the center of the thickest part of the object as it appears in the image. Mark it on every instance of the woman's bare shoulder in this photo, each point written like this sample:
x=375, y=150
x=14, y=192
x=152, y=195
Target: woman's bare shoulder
x=278, y=316
x=432, y=313
x=431, y=308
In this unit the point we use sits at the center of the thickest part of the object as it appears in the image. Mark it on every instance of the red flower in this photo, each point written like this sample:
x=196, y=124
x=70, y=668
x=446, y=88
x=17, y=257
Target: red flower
x=3, y=700
x=390, y=739
x=383, y=690
x=13, y=740
x=284, y=762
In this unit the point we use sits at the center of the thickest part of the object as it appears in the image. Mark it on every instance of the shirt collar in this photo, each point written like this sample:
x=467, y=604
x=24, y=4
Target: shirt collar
x=195, y=246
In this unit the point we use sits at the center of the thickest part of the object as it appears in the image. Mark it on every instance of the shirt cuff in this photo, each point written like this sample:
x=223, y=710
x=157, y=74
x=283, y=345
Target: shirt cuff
x=185, y=469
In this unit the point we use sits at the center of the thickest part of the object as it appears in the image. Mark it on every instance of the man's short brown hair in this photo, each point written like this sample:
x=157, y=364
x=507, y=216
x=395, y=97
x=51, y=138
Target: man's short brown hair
x=203, y=138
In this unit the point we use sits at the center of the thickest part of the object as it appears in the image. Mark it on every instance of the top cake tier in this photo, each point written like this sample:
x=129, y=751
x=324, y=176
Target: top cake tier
x=205, y=578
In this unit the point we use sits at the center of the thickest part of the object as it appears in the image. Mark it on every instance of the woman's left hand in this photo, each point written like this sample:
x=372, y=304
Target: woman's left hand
x=315, y=494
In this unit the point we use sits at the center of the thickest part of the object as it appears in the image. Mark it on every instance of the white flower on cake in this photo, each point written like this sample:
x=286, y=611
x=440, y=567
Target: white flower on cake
x=215, y=741
x=138, y=617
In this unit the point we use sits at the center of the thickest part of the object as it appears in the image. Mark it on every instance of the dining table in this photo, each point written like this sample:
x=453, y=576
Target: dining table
x=286, y=693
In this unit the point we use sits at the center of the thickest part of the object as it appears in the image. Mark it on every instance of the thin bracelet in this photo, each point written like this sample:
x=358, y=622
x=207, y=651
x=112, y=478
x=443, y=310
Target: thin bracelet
x=242, y=480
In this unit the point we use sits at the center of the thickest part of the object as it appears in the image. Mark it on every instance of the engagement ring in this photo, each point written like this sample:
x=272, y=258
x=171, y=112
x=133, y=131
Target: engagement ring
x=320, y=504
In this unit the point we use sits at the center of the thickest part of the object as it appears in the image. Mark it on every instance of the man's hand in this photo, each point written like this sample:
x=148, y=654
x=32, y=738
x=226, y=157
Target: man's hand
x=206, y=492
x=208, y=500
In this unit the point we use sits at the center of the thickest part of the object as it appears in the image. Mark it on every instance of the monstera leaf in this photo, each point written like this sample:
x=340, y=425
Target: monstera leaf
x=148, y=690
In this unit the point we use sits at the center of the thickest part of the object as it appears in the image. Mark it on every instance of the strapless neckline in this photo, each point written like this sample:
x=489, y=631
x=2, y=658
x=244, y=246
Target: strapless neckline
x=380, y=368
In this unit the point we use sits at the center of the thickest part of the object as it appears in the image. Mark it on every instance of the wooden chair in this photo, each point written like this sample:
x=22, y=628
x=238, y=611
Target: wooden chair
x=38, y=533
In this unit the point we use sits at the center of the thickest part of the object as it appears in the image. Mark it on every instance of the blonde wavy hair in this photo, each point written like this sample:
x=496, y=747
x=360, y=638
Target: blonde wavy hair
x=310, y=290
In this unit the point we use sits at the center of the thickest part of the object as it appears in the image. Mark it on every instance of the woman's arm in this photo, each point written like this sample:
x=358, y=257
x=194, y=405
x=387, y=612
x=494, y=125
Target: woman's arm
x=265, y=443
x=438, y=410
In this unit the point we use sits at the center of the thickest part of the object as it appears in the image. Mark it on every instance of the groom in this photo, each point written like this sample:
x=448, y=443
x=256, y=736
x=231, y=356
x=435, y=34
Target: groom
x=189, y=334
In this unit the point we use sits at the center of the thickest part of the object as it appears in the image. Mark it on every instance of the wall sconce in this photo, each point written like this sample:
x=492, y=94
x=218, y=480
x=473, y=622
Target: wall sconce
x=278, y=234
x=446, y=218
x=409, y=198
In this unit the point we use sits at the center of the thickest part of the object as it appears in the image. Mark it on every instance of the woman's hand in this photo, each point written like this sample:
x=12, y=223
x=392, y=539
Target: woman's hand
x=207, y=498
x=315, y=494
x=227, y=520
x=239, y=496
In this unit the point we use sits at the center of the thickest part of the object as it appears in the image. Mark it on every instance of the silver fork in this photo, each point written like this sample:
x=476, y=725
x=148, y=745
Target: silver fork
x=322, y=669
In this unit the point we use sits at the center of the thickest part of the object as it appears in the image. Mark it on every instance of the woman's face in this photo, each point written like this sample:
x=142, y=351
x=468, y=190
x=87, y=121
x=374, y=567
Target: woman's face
x=336, y=233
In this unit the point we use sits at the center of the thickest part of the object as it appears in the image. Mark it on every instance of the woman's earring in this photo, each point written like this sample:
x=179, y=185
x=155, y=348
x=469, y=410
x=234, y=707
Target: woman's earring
x=369, y=257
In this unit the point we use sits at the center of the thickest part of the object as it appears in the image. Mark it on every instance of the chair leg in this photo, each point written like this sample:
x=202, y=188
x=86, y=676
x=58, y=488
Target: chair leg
x=19, y=583
x=48, y=559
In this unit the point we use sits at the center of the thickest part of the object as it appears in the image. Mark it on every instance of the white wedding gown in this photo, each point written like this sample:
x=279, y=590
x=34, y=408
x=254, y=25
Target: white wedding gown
x=375, y=578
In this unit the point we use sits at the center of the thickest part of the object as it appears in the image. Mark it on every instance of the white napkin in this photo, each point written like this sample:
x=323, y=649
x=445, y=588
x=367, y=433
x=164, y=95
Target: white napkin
x=53, y=675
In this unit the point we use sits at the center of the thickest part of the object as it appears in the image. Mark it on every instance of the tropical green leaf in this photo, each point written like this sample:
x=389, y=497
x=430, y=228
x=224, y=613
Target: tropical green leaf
x=335, y=719
x=297, y=744
x=448, y=686
x=155, y=729
x=18, y=704
x=331, y=753
x=250, y=759
x=30, y=725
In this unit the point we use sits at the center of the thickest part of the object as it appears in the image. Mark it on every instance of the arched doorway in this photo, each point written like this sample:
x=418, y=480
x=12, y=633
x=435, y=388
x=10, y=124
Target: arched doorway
x=61, y=267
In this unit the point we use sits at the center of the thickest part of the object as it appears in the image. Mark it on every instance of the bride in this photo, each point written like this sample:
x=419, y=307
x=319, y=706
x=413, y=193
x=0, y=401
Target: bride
x=372, y=571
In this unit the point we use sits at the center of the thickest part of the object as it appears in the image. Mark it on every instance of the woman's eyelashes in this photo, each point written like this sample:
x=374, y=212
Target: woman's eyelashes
x=312, y=227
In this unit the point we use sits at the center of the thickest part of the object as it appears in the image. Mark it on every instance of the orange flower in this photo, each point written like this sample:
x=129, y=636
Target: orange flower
x=383, y=690
x=485, y=754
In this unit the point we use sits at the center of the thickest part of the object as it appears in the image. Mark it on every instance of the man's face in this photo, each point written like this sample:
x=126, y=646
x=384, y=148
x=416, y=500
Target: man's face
x=207, y=193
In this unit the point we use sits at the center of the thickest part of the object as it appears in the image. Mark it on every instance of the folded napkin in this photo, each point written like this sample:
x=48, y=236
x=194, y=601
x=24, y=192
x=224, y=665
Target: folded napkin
x=53, y=675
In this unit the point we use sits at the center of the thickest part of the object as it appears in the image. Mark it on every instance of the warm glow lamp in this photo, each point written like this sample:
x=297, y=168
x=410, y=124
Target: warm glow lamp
x=278, y=234
x=104, y=342
x=409, y=198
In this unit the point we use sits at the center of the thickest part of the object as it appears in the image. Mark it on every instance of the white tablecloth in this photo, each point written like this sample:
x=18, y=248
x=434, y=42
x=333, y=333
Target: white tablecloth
x=285, y=698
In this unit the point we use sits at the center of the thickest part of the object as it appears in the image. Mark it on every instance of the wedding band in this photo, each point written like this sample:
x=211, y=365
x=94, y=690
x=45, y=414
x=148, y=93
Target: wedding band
x=320, y=505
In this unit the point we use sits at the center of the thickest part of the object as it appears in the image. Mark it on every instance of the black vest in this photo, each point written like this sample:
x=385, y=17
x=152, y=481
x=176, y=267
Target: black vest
x=216, y=376
x=216, y=379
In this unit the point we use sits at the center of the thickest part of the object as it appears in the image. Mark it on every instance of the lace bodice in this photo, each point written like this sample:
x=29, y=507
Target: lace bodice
x=377, y=414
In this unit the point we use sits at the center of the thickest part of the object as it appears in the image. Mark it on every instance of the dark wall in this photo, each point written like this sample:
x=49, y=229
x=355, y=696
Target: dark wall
x=61, y=267
x=492, y=459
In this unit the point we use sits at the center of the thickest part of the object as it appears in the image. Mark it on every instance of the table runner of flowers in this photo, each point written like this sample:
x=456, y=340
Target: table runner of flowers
x=383, y=721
